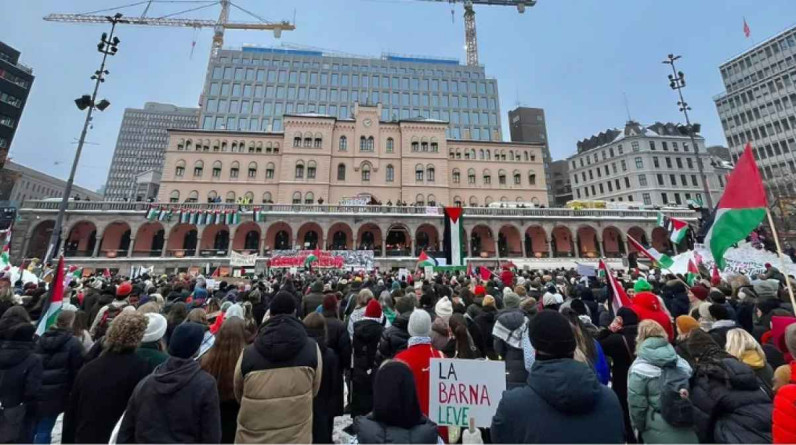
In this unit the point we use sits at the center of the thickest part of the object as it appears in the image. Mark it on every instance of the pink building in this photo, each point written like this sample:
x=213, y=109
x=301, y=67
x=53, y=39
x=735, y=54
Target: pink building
x=320, y=157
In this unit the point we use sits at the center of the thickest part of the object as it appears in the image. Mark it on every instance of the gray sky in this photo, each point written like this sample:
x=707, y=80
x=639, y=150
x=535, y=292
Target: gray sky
x=575, y=58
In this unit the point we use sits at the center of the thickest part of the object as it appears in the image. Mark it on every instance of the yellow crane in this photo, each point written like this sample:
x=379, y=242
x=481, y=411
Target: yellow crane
x=470, y=38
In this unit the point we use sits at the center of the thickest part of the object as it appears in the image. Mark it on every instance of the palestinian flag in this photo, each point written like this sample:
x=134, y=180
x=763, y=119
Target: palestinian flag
x=201, y=217
x=152, y=213
x=233, y=217
x=620, y=297
x=741, y=209
x=692, y=274
x=56, y=300
x=453, y=237
x=258, y=215
x=665, y=261
x=192, y=218
x=676, y=227
x=424, y=260
x=185, y=216
x=165, y=214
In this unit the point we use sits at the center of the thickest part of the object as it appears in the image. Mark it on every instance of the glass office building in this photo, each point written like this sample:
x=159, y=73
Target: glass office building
x=251, y=88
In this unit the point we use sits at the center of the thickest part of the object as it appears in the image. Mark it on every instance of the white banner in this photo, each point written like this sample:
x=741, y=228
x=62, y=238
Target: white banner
x=463, y=389
x=239, y=259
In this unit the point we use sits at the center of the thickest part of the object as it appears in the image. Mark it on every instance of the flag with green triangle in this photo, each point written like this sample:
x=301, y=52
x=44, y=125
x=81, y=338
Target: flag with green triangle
x=152, y=213
x=692, y=274
x=424, y=260
x=676, y=228
x=665, y=261
x=56, y=300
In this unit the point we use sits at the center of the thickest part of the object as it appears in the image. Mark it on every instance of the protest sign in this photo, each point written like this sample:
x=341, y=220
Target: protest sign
x=464, y=389
x=339, y=259
x=429, y=271
x=587, y=270
x=239, y=259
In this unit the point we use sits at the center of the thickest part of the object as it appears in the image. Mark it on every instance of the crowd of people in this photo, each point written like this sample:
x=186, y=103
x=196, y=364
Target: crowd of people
x=275, y=359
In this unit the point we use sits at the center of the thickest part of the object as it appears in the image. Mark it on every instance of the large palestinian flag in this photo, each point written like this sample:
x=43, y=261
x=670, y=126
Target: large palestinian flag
x=741, y=209
x=453, y=237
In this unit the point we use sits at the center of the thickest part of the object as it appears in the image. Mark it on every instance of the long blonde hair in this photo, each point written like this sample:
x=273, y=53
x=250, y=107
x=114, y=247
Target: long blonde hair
x=648, y=329
x=740, y=341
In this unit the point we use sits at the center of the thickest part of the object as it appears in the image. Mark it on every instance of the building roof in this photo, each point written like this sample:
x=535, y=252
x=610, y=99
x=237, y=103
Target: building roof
x=32, y=172
x=631, y=129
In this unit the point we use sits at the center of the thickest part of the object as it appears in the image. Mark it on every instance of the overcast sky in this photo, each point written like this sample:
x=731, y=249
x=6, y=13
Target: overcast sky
x=577, y=59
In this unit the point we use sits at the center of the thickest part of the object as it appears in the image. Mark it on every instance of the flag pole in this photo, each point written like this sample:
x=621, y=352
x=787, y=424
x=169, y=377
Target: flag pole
x=781, y=257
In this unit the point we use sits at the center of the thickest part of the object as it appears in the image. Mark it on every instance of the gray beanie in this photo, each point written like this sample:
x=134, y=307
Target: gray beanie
x=511, y=300
x=419, y=323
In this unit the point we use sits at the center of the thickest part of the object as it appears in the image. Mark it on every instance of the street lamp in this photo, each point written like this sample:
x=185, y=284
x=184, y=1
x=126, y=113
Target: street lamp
x=677, y=82
x=108, y=46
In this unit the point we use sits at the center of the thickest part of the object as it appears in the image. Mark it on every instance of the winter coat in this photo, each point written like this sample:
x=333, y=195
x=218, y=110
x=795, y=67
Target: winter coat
x=311, y=301
x=337, y=339
x=323, y=405
x=20, y=383
x=150, y=353
x=784, y=413
x=372, y=431
x=562, y=402
x=729, y=406
x=440, y=339
x=178, y=403
x=472, y=328
x=61, y=356
x=719, y=331
x=507, y=335
x=367, y=333
x=485, y=320
x=418, y=358
x=279, y=374
x=763, y=371
x=394, y=339
x=99, y=396
x=619, y=347
x=644, y=393
x=675, y=297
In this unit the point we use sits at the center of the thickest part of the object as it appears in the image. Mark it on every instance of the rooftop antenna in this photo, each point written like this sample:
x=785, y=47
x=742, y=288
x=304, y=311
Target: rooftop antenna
x=627, y=107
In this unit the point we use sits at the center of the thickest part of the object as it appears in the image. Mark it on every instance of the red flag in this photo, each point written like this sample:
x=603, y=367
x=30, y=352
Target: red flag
x=620, y=297
x=746, y=31
x=485, y=273
x=216, y=273
x=692, y=268
x=715, y=279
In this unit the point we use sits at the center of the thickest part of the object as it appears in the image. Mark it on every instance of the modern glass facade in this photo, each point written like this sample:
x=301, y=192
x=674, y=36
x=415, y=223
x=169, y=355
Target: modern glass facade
x=252, y=88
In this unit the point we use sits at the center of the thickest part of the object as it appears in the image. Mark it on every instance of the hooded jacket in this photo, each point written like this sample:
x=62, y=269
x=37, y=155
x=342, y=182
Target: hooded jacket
x=279, y=374
x=20, y=381
x=644, y=393
x=367, y=333
x=510, y=327
x=562, y=402
x=675, y=296
x=61, y=356
x=784, y=414
x=178, y=403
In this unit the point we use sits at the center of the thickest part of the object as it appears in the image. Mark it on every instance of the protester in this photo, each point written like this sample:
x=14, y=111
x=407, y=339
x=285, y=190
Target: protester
x=323, y=403
x=394, y=338
x=397, y=416
x=562, y=401
x=619, y=343
x=20, y=376
x=152, y=348
x=312, y=300
x=337, y=339
x=367, y=333
x=109, y=312
x=741, y=345
x=280, y=373
x=465, y=347
x=722, y=323
x=509, y=334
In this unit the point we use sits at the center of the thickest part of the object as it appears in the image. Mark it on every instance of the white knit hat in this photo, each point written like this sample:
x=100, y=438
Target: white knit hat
x=155, y=328
x=444, y=308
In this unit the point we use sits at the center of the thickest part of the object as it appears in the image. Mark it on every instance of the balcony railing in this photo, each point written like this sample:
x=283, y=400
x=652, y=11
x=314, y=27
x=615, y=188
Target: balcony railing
x=119, y=206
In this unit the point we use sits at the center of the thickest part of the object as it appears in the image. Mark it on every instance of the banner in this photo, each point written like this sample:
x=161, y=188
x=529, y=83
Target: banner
x=357, y=259
x=239, y=259
x=464, y=389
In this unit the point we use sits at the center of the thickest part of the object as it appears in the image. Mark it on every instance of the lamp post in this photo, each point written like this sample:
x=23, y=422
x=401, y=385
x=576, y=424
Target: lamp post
x=677, y=82
x=107, y=46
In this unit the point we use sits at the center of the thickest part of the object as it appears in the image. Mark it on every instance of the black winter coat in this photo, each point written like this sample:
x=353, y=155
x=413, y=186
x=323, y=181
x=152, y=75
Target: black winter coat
x=324, y=403
x=675, y=297
x=516, y=374
x=485, y=321
x=729, y=405
x=337, y=339
x=178, y=403
x=372, y=431
x=99, y=396
x=394, y=339
x=472, y=328
x=20, y=381
x=619, y=348
x=61, y=356
x=562, y=402
x=367, y=333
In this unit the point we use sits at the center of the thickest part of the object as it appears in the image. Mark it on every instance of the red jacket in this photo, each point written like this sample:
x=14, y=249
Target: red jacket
x=507, y=277
x=648, y=307
x=784, y=415
x=418, y=358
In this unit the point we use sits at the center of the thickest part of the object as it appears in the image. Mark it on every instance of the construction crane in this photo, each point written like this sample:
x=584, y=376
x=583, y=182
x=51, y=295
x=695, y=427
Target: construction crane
x=218, y=26
x=470, y=38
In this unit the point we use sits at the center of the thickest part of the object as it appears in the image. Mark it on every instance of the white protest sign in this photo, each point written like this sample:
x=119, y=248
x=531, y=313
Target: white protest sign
x=239, y=259
x=403, y=273
x=464, y=389
x=210, y=283
x=429, y=271
x=587, y=270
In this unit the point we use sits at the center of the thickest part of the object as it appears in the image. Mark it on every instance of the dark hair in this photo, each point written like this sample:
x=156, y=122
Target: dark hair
x=221, y=359
x=177, y=314
x=81, y=324
x=459, y=328
x=583, y=339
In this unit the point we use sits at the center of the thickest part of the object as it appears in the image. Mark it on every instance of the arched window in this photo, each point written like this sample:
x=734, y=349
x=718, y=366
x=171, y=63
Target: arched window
x=451, y=154
x=318, y=142
x=504, y=199
x=299, y=169
x=217, y=169
x=466, y=154
x=308, y=141
x=341, y=172
x=276, y=148
x=456, y=176
x=390, y=145
x=234, y=170
x=487, y=177
x=296, y=197
x=517, y=177
x=188, y=144
x=519, y=199
x=267, y=198
x=234, y=146
x=420, y=200
x=430, y=173
x=457, y=201
x=371, y=143
x=419, y=173
x=223, y=146
x=390, y=173
x=269, y=147
x=415, y=146
x=472, y=153
x=211, y=196
x=488, y=200
x=424, y=145
x=252, y=170
x=489, y=155
x=502, y=177
x=481, y=154
x=296, y=141
x=343, y=144
x=471, y=176
x=459, y=153
x=434, y=145
x=230, y=199
x=473, y=201
x=181, y=145
x=269, y=171
x=193, y=196
x=179, y=170
x=526, y=154
x=531, y=178
x=198, y=167
x=309, y=198
x=431, y=200
x=311, y=167
x=511, y=155
x=248, y=198
x=174, y=196
x=259, y=147
x=365, y=172
x=251, y=146
x=363, y=143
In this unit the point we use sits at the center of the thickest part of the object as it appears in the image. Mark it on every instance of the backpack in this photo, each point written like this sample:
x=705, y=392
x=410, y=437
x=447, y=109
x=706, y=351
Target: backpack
x=107, y=318
x=676, y=407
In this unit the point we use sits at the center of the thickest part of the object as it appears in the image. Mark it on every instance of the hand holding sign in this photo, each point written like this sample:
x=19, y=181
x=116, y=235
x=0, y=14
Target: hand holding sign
x=465, y=390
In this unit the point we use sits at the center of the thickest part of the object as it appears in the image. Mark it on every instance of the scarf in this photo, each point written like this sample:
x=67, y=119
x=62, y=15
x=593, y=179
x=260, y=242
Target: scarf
x=414, y=341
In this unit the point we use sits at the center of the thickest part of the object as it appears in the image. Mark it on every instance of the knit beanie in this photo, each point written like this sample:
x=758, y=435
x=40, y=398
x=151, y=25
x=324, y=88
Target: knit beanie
x=155, y=328
x=235, y=311
x=642, y=285
x=700, y=292
x=186, y=339
x=511, y=300
x=488, y=301
x=520, y=291
x=479, y=291
x=718, y=312
x=686, y=324
x=551, y=335
x=790, y=339
x=124, y=290
x=769, y=305
x=373, y=309
x=283, y=304
x=443, y=308
x=330, y=302
x=419, y=324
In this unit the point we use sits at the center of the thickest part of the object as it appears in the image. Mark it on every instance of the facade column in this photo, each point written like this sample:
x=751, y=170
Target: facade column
x=575, y=244
x=412, y=252
x=627, y=247
x=130, y=248
x=97, y=242
x=261, y=250
x=384, y=246
x=497, y=248
x=163, y=249
x=550, y=246
x=602, y=247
